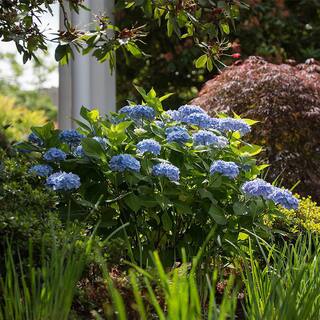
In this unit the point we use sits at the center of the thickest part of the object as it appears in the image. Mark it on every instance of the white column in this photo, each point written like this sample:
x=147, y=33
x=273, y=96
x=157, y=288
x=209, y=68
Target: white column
x=84, y=81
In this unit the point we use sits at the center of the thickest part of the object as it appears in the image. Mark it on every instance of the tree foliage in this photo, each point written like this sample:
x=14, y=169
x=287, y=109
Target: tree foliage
x=206, y=22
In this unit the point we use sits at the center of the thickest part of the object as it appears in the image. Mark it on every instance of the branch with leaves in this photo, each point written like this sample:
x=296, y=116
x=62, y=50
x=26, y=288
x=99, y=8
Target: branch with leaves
x=207, y=22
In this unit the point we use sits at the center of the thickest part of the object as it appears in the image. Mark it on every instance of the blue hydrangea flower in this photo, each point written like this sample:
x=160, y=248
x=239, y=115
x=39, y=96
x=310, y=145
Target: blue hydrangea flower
x=138, y=112
x=215, y=123
x=79, y=152
x=33, y=138
x=177, y=134
x=124, y=162
x=174, y=115
x=71, y=137
x=166, y=170
x=226, y=168
x=54, y=154
x=179, y=137
x=149, y=145
x=160, y=124
x=284, y=198
x=187, y=110
x=207, y=138
x=201, y=120
x=257, y=187
x=63, y=181
x=102, y=141
x=42, y=170
x=230, y=124
x=175, y=129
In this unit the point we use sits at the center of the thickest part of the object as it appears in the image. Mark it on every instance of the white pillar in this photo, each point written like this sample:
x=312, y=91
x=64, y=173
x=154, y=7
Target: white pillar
x=85, y=81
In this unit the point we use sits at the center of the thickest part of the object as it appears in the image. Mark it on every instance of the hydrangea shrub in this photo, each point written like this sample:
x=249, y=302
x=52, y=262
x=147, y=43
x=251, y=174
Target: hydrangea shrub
x=170, y=177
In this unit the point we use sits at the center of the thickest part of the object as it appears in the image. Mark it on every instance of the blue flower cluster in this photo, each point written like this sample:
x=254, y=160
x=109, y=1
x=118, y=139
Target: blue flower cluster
x=54, y=154
x=177, y=134
x=166, y=170
x=138, y=112
x=42, y=170
x=71, y=137
x=231, y=124
x=33, y=138
x=284, y=198
x=226, y=168
x=149, y=145
x=187, y=110
x=184, y=111
x=63, y=181
x=207, y=138
x=259, y=187
x=174, y=114
x=201, y=120
x=124, y=162
x=160, y=124
x=79, y=152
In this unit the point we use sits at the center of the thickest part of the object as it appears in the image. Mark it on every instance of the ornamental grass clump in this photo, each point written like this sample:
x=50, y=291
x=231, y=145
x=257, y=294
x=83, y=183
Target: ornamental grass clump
x=168, y=179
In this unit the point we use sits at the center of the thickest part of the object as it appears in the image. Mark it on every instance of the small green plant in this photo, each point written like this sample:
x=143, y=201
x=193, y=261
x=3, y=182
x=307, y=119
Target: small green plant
x=287, y=285
x=45, y=291
x=172, y=295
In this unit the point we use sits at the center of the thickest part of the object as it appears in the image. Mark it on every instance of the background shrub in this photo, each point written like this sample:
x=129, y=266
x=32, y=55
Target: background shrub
x=15, y=121
x=286, y=100
x=27, y=208
x=305, y=219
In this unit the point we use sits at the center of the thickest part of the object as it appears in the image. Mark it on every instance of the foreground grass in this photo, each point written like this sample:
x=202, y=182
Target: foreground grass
x=285, y=285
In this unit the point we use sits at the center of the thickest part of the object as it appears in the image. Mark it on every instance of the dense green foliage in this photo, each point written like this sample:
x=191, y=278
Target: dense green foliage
x=280, y=30
x=27, y=209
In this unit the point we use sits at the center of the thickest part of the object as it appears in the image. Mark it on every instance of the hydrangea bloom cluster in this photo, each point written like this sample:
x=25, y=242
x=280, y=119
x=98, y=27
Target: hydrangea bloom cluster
x=201, y=120
x=166, y=170
x=124, y=162
x=138, y=112
x=177, y=134
x=54, y=154
x=284, y=198
x=42, y=170
x=184, y=111
x=207, y=138
x=187, y=110
x=149, y=145
x=63, y=181
x=259, y=187
x=226, y=168
x=71, y=137
x=230, y=124
x=33, y=138
x=79, y=152
x=174, y=114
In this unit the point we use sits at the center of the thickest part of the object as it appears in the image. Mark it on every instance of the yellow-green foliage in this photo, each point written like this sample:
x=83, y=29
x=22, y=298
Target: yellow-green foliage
x=306, y=218
x=17, y=119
